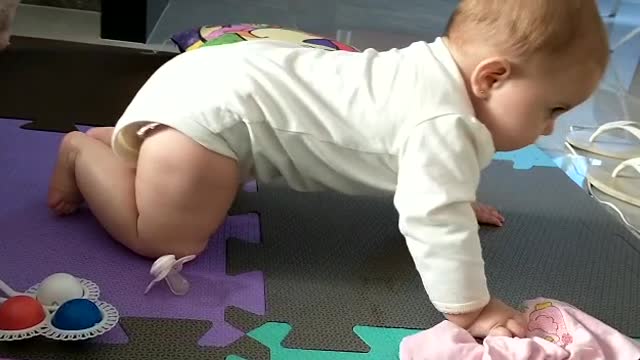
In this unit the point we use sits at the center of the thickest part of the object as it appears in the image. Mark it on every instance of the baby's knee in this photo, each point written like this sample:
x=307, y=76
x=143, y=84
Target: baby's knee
x=103, y=134
x=93, y=132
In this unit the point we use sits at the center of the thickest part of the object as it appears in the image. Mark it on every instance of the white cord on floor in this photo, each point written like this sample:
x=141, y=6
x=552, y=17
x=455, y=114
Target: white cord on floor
x=636, y=231
x=626, y=38
x=589, y=189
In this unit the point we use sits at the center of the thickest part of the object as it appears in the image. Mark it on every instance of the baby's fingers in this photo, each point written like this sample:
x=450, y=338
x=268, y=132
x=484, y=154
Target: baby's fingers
x=516, y=327
x=511, y=329
x=493, y=218
x=500, y=331
x=499, y=220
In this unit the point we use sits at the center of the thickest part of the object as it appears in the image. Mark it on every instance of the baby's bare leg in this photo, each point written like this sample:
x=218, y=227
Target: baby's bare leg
x=101, y=133
x=176, y=198
x=64, y=196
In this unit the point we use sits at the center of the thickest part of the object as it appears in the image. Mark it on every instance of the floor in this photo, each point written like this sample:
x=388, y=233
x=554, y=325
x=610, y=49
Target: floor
x=616, y=99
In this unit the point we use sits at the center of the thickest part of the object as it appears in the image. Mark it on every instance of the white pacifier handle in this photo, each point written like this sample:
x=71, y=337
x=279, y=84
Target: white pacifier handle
x=167, y=268
x=8, y=290
x=178, y=284
x=11, y=293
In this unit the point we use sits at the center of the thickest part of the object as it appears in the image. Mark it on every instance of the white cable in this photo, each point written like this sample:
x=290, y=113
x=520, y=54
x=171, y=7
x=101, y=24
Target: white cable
x=624, y=219
x=636, y=231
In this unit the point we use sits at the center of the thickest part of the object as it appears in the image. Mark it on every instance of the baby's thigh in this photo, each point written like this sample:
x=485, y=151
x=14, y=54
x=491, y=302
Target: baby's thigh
x=183, y=190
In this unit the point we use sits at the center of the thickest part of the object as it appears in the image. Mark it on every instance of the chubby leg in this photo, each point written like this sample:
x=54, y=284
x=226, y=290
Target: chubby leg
x=64, y=197
x=176, y=198
x=101, y=133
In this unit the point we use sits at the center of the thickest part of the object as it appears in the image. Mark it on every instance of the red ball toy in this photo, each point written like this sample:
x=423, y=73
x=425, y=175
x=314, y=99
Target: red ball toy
x=20, y=312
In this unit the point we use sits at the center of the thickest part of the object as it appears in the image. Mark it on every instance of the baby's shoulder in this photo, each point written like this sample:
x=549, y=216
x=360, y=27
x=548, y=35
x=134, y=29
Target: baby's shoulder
x=451, y=125
x=450, y=135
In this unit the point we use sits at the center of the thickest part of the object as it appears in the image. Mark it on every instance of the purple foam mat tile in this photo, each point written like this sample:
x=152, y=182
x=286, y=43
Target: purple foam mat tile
x=35, y=243
x=251, y=186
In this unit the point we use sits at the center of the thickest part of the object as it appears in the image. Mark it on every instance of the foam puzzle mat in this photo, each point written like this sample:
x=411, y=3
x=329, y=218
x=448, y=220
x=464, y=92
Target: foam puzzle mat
x=37, y=244
x=526, y=158
x=288, y=277
x=355, y=269
x=384, y=343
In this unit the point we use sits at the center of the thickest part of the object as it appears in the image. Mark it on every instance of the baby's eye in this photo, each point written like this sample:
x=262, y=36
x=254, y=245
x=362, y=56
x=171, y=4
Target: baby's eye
x=557, y=111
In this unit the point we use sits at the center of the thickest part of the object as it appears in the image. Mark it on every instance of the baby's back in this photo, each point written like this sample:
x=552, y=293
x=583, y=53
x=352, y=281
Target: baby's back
x=320, y=119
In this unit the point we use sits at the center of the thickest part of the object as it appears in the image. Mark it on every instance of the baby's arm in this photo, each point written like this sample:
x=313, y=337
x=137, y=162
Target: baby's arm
x=439, y=173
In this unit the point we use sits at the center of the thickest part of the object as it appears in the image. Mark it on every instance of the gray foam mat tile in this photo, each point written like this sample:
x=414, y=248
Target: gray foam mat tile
x=150, y=339
x=560, y=241
x=332, y=261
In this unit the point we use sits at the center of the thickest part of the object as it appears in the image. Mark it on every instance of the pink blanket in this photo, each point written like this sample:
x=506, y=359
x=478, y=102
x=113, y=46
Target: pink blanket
x=556, y=330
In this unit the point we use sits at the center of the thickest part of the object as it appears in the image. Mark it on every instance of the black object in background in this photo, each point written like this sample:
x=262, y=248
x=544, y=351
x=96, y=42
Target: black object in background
x=130, y=20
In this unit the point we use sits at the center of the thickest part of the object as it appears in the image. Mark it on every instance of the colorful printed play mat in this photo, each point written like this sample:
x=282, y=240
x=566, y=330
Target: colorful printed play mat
x=212, y=35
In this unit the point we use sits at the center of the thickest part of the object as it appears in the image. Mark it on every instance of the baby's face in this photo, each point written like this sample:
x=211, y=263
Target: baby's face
x=526, y=106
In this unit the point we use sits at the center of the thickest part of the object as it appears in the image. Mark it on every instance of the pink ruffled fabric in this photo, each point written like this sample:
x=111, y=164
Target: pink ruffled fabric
x=556, y=330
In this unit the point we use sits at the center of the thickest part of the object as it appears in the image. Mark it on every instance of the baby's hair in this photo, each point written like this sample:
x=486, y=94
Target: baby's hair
x=524, y=28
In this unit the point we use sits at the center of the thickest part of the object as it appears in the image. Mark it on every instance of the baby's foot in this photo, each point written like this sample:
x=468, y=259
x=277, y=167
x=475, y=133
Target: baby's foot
x=64, y=196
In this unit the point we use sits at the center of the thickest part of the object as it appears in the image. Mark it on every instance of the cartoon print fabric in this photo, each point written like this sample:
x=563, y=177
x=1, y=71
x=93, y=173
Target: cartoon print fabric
x=227, y=34
x=556, y=331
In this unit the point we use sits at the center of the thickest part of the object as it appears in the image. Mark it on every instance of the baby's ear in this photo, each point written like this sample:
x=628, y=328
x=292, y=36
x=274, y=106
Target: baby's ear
x=490, y=74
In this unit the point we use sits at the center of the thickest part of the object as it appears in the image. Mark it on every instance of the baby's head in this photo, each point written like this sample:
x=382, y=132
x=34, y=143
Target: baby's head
x=525, y=62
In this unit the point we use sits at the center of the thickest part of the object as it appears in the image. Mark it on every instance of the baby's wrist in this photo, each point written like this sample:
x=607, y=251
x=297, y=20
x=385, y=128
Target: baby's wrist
x=463, y=320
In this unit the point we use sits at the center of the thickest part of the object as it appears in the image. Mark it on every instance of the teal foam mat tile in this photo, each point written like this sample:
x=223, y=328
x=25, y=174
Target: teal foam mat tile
x=526, y=158
x=384, y=343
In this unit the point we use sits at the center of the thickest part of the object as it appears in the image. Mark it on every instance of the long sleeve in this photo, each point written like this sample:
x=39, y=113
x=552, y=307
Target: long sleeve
x=438, y=176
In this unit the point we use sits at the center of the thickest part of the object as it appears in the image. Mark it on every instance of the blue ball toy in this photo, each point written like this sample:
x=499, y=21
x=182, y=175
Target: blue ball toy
x=77, y=314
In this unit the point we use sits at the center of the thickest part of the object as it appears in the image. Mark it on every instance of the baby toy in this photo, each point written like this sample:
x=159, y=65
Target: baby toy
x=167, y=268
x=61, y=307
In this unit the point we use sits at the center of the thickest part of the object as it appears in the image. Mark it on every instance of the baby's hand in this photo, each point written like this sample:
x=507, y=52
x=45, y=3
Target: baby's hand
x=496, y=319
x=487, y=214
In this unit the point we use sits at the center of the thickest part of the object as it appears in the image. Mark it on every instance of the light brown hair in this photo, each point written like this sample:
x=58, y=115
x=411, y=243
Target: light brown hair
x=525, y=28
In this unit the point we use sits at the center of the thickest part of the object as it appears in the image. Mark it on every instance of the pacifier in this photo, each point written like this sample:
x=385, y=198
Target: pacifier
x=167, y=268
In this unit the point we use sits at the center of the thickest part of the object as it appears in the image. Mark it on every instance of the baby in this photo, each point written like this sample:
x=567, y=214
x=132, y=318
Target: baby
x=419, y=122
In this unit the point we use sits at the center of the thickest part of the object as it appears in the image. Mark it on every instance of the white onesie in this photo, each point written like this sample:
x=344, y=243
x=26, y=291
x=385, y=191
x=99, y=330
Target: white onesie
x=358, y=123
